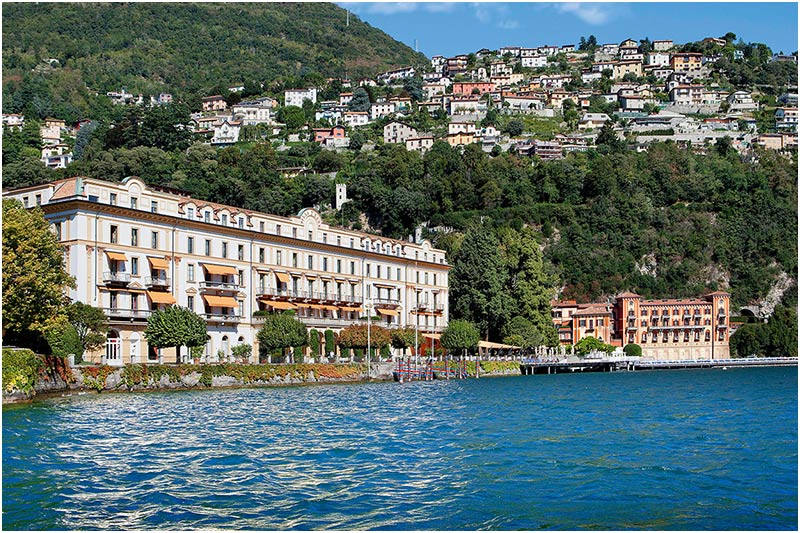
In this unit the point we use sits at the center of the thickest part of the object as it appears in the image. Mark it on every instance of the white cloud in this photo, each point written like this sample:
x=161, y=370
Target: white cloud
x=496, y=15
x=590, y=13
x=391, y=8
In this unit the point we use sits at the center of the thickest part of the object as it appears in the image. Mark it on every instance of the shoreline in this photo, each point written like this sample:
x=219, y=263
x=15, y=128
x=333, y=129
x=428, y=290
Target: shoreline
x=158, y=378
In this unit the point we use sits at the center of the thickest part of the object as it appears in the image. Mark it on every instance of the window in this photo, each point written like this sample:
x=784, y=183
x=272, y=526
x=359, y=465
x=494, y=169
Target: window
x=325, y=238
x=367, y=269
x=241, y=222
x=154, y=240
x=190, y=272
x=207, y=216
x=241, y=278
x=208, y=247
x=310, y=262
x=294, y=233
x=134, y=237
x=135, y=266
x=426, y=278
x=190, y=213
x=261, y=226
x=278, y=229
x=190, y=302
x=241, y=308
x=260, y=255
x=352, y=243
x=398, y=274
x=240, y=253
x=25, y=201
x=153, y=206
x=224, y=250
x=278, y=258
x=325, y=264
x=134, y=202
x=294, y=259
x=223, y=219
x=190, y=245
x=434, y=279
x=352, y=267
x=58, y=230
x=38, y=199
x=338, y=240
x=338, y=266
x=310, y=235
x=113, y=236
x=112, y=198
x=378, y=274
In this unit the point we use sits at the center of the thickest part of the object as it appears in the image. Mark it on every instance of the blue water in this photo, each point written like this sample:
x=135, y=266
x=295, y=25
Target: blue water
x=690, y=450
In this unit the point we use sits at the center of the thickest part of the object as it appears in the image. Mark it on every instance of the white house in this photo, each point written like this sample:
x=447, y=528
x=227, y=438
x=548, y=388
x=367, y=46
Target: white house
x=56, y=156
x=657, y=58
x=295, y=97
x=355, y=119
x=397, y=132
x=253, y=112
x=226, y=131
x=380, y=110
x=593, y=121
x=534, y=61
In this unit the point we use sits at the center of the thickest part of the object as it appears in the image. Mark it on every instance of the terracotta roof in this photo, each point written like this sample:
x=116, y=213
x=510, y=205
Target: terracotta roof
x=591, y=310
x=65, y=189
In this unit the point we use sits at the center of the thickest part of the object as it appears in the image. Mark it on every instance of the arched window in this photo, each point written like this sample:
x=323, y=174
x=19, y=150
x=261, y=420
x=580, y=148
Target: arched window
x=225, y=346
x=135, y=348
x=113, y=352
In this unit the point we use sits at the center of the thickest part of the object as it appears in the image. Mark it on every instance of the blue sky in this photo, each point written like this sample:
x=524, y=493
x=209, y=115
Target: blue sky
x=461, y=27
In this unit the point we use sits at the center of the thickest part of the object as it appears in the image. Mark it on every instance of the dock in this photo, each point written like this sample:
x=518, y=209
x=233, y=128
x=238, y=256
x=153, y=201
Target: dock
x=562, y=365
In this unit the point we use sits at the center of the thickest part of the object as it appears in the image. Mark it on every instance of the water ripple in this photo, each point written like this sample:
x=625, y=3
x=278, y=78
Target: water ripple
x=654, y=450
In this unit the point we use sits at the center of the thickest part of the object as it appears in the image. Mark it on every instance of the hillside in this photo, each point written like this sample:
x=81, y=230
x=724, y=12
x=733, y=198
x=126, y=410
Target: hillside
x=186, y=48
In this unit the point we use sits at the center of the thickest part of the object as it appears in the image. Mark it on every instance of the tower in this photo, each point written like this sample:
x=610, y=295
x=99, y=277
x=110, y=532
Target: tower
x=341, y=195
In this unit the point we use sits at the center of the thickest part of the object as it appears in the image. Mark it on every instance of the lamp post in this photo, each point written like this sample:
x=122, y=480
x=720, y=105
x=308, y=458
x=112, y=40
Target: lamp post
x=368, y=306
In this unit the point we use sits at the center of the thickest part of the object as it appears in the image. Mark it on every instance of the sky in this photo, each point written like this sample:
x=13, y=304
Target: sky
x=450, y=28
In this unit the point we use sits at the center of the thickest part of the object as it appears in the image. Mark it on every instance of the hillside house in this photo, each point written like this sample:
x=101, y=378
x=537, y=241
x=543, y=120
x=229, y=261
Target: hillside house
x=355, y=119
x=662, y=45
x=786, y=118
x=296, y=97
x=593, y=121
x=422, y=143
x=214, y=103
x=398, y=132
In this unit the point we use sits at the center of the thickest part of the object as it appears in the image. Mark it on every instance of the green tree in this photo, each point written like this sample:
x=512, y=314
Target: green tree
x=402, y=338
x=330, y=342
x=590, y=344
x=355, y=337
x=514, y=127
x=460, y=335
x=34, y=278
x=478, y=279
x=292, y=116
x=242, y=352
x=632, y=350
x=519, y=331
x=360, y=100
x=63, y=339
x=175, y=326
x=279, y=332
x=313, y=342
x=89, y=323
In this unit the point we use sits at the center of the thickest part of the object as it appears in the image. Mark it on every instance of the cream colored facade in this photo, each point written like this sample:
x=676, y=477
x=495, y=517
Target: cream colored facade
x=134, y=248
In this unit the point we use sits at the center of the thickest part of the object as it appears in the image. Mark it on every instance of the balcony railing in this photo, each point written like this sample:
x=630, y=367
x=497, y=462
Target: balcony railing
x=386, y=301
x=308, y=295
x=115, y=312
x=157, y=282
x=116, y=277
x=217, y=317
x=220, y=285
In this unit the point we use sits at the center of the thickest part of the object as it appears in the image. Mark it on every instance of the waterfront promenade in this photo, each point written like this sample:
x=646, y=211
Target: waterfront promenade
x=554, y=365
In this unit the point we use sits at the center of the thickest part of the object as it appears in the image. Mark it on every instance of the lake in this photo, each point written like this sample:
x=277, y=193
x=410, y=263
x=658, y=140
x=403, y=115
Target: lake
x=683, y=449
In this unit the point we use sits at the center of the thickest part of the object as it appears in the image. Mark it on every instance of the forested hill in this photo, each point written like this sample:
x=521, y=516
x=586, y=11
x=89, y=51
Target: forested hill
x=192, y=47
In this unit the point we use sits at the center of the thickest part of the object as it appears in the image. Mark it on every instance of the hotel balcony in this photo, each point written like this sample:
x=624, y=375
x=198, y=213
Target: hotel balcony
x=219, y=285
x=308, y=295
x=116, y=313
x=386, y=301
x=116, y=278
x=219, y=317
x=157, y=282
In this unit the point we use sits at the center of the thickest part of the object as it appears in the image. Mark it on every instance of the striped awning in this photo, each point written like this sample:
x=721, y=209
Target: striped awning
x=116, y=256
x=158, y=263
x=220, y=301
x=221, y=270
x=161, y=297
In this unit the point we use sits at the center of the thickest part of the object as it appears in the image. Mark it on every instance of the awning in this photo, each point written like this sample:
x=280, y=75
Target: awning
x=434, y=336
x=338, y=279
x=283, y=277
x=161, y=297
x=330, y=307
x=116, y=256
x=136, y=290
x=159, y=263
x=303, y=306
x=220, y=301
x=281, y=305
x=296, y=275
x=350, y=309
x=311, y=276
x=317, y=306
x=219, y=269
x=387, y=312
x=353, y=281
x=382, y=286
x=496, y=345
x=423, y=313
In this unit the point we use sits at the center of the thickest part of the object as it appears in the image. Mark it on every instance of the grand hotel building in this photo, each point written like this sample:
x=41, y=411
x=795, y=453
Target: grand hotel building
x=675, y=329
x=134, y=248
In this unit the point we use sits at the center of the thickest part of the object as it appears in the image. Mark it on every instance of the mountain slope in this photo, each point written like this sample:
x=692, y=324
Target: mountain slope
x=189, y=48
